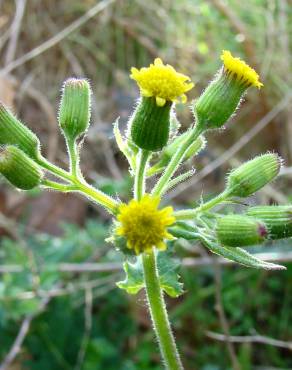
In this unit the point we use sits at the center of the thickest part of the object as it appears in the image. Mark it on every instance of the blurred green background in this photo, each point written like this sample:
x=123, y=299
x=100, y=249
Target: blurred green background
x=54, y=316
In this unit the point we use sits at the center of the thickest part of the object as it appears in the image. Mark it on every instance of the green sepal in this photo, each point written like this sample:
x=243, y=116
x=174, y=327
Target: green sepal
x=241, y=256
x=240, y=231
x=150, y=124
x=168, y=276
x=13, y=132
x=277, y=218
x=20, y=170
x=74, y=112
x=219, y=101
x=253, y=175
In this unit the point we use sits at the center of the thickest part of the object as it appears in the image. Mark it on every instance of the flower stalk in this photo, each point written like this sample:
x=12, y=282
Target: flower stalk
x=154, y=293
x=159, y=314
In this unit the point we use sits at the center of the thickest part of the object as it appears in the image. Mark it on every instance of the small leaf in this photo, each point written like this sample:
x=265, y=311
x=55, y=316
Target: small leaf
x=168, y=276
x=134, y=280
x=241, y=256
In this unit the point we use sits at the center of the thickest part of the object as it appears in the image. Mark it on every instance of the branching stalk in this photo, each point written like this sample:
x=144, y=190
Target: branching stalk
x=187, y=214
x=176, y=161
x=79, y=185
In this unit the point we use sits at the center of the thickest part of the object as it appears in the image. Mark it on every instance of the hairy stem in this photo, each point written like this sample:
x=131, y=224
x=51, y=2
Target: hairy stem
x=156, y=303
x=176, y=161
x=159, y=314
x=79, y=185
x=139, y=186
x=74, y=158
x=186, y=214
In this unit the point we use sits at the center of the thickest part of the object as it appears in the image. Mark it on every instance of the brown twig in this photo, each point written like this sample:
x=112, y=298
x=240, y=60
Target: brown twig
x=98, y=8
x=251, y=339
x=222, y=317
x=14, y=31
x=187, y=262
x=22, y=333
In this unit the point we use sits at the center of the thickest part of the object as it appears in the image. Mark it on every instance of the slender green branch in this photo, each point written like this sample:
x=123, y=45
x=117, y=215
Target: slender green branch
x=159, y=314
x=97, y=196
x=186, y=214
x=74, y=158
x=176, y=161
x=180, y=178
x=81, y=186
x=57, y=186
x=55, y=170
x=139, y=186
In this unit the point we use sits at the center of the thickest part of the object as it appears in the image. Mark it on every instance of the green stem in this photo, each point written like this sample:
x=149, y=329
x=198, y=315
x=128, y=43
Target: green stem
x=186, y=214
x=57, y=171
x=139, y=186
x=57, y=186
x=175, y=161
x=159, y=314
x=80, y=186
x=74, y=158
x=152, y=284
x=97, y=196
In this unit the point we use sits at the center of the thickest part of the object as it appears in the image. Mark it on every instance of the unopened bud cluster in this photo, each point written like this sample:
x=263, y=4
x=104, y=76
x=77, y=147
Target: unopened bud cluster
x=20, y=147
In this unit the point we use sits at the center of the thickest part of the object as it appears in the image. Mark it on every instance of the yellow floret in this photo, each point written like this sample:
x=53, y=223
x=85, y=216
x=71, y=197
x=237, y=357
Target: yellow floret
x=143, y=225
x=162, y=82
x=240, y=70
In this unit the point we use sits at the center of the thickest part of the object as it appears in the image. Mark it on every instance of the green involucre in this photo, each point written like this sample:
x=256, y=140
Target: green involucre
x=74, y=113
x=253, y=175
x=13, y=132
x=219, y=101
x=239, y=231
x=150, y=125
x=277, y=218
x=19, y=169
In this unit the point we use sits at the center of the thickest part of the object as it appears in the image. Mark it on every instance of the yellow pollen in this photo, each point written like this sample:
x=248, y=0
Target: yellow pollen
x=240, y=70
x=143, y=225
x=162, y=82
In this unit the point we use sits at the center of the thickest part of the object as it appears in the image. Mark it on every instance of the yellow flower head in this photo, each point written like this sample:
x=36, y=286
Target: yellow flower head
x=143, y=225
x=162, y=82
x=238, y=69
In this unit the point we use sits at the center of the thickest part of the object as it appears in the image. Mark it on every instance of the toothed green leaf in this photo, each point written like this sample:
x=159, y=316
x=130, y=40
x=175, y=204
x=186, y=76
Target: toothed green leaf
x=168, y=276
x=134, y=281
x=241, y=256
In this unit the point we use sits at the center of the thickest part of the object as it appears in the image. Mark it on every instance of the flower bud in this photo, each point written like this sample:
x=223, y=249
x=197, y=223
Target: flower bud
x=74, y=113
x=253, y=175
x=13, y=132
x=160, y=86
x=240, y=231
x=277, y=218
x=222, y=96
x=18, y=168
x=150, y=124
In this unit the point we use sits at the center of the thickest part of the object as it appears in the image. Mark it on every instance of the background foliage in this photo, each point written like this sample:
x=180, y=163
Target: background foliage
x=79, y=319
